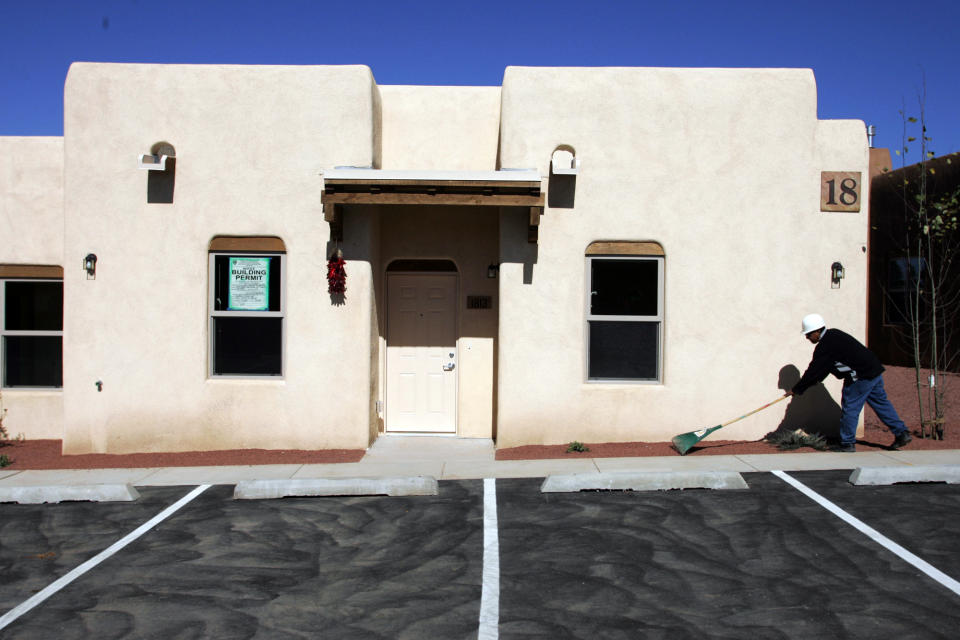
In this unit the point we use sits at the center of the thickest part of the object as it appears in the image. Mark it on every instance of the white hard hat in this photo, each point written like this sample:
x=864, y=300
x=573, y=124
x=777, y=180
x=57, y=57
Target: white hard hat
x=812, y=322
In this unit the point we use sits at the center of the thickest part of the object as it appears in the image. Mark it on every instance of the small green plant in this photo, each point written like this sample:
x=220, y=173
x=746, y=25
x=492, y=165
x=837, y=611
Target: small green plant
x=577, y=447
x=5, y=439
x=788, y=440
x=4, y=436
x=5, y=461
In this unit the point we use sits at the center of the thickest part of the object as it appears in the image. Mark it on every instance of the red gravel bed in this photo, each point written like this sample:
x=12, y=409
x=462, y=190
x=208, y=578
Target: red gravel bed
x=899, y=382
x=45, y=454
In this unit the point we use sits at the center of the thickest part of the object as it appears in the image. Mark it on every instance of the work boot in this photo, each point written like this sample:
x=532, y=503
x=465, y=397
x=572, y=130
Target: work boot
x=901, y=440
x=845, y=448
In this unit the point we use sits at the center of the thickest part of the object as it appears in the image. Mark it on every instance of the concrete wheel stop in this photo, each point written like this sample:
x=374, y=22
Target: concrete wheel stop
x=69, y=493
x=307, y=487
x=643, y=481
x=949, y=474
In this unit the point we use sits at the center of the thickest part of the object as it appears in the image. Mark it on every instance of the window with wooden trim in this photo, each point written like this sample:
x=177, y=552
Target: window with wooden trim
x=31, y=327
x=625, y=312
x=247, y=307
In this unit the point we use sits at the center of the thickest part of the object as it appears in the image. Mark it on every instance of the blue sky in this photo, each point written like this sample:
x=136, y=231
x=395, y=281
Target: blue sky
x=870, y=58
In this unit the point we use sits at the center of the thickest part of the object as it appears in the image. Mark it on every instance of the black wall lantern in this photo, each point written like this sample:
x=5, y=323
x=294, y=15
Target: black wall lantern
x=90, y=265
x=836, y=275
x=493, y=270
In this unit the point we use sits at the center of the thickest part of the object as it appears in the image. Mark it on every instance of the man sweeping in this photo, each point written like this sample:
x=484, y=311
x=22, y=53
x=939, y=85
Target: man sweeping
x=842, y=355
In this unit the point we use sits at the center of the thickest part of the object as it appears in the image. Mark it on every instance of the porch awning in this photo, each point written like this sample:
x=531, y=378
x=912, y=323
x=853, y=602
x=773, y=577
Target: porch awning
x=504, y=188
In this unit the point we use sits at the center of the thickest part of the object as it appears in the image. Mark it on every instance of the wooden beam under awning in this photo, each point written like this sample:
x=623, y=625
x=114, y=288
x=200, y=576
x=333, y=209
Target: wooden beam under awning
x=416, y=192
x=392, y=191
x=470, y=199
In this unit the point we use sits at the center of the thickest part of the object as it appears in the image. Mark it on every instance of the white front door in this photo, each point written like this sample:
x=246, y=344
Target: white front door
x=421, y=353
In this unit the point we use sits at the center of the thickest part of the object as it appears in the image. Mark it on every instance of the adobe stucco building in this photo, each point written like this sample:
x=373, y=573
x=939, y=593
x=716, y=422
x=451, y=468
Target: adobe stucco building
x=594, y=254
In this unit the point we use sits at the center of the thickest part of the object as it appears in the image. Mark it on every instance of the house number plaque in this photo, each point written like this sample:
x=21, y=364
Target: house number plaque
x=839, y=191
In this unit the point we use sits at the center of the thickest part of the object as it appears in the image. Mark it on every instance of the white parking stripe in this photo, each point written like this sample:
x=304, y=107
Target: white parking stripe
x=60, y=583
x=490, y=595
x=872, y=533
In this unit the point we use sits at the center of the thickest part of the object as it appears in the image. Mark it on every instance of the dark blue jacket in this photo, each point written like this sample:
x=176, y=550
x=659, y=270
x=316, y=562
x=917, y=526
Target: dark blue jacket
x=842, y=355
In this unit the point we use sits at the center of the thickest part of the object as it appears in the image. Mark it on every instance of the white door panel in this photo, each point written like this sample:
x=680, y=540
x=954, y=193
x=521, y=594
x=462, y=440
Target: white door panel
x=421, y=347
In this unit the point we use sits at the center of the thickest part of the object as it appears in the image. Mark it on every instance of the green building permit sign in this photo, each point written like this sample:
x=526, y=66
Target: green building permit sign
x=249, y=284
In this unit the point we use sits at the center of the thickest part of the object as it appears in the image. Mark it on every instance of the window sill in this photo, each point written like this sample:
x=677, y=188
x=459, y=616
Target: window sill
x=277, y=381
x=625, y=384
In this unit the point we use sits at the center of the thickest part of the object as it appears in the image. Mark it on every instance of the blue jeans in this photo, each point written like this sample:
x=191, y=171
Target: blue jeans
x=869, y=391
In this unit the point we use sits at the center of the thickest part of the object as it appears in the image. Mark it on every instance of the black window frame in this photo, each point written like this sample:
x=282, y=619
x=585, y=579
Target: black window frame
x=275, y=313
x=656, y=320
x=7, y=333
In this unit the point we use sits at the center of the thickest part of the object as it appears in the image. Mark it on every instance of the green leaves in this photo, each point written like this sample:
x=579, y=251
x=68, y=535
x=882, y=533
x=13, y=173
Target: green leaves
x=947, y=209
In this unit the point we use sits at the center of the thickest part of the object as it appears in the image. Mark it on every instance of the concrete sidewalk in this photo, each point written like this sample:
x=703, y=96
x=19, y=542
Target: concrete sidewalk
x=447, y=458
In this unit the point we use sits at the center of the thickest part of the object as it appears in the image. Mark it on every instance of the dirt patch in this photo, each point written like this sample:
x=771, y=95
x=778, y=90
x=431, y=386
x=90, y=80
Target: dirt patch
x=901, y=386
x=632, y=450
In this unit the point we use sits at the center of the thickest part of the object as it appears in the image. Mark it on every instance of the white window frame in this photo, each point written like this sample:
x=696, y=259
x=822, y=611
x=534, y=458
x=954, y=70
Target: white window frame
x=213, y=313
x=5, y=333
x=658, y=318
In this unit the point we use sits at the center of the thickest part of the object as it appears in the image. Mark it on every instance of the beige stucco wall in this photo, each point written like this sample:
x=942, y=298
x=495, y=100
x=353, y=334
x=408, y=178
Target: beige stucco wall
x=840, y=143
x=250, y=143
x=31, y=233
x=31, y=200
x=440, y=128
x=722, y=168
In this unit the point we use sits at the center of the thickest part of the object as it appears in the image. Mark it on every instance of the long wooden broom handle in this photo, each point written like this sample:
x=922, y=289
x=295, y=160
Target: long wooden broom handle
x=755, y=410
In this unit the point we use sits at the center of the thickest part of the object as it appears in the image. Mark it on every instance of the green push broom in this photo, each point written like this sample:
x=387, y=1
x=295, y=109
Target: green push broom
x=685, y=441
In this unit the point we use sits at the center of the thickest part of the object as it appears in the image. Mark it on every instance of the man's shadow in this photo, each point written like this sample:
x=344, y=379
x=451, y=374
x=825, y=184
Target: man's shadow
x=816, y=412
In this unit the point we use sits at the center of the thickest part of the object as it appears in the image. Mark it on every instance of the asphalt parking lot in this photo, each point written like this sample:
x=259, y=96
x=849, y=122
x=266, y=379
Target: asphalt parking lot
x=766, y=562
